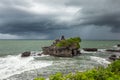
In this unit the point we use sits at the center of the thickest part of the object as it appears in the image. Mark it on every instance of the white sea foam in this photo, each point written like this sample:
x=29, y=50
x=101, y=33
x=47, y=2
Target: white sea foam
x=116, y=47
x=82, y=51
x=36, y=53
x=100, y=60
x=11, y=65
x=101, y=50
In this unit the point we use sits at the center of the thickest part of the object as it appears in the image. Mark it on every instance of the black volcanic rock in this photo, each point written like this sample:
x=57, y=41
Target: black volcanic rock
x=118, y=45
x=60, y=52
x=26, y=54
x=110, y=50
x=90, y=49
x=114, y=57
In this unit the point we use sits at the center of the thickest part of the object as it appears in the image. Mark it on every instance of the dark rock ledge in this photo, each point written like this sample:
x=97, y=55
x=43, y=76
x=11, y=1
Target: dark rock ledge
x=90, y=49
x=26, y=54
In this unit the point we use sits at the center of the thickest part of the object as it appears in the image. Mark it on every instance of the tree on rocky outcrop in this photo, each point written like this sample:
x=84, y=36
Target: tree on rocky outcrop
x=63, y=47
x=72, y=42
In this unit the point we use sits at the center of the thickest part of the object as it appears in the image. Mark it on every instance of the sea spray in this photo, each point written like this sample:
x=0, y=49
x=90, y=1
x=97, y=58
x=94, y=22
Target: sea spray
x=100, y=60
x=12, y=65
x=59, y=64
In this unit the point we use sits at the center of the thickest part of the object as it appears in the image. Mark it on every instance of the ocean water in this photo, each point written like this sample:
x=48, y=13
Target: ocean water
x=13, y=67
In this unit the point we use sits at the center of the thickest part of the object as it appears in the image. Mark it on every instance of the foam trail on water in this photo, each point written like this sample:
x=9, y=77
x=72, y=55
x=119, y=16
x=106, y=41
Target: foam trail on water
x=82, y=51
x=102, y=50
x=99, y=50
x=100, y=60
x=12, y=65
x=116, y=47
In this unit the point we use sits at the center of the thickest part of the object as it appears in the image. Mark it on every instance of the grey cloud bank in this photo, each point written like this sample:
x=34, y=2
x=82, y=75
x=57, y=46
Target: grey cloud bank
x=45, y=19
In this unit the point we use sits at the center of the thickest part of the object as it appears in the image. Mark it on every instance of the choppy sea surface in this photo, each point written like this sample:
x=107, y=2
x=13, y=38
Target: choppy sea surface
x=14, y=67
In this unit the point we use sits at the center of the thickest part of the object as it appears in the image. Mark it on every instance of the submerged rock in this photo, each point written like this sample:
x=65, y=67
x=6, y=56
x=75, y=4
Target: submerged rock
x=26, y=54
x=90, y=49
x=30, y=53
x=63, y=48
x=110, y=50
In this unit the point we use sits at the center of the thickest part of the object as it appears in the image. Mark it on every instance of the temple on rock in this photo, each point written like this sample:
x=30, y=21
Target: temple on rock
x=63, y=47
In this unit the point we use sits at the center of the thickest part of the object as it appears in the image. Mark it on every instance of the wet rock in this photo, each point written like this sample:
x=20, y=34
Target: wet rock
x=60, y=52
x=118, y=45
x=110, y=50
x=26, y=54
x=90, y=49
x=114, y=57
x=39, y=54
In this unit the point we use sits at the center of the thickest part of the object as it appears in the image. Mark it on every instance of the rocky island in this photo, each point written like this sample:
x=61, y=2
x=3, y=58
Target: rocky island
x=63, y=47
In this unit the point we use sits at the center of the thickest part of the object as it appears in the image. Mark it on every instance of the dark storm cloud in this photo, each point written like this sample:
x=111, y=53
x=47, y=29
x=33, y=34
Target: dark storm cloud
x=31, y=27
x=99, y=13
x=109, y=20
x=53, y=18
x=19, y=22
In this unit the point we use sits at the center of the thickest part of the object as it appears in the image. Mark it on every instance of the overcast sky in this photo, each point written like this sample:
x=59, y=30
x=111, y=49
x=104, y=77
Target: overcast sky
x=49, y=19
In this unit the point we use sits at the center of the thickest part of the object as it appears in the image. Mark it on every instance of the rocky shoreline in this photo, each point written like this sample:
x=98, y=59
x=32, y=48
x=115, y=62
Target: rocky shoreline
x=113, y=55
x=70, y=51
x=69, y=48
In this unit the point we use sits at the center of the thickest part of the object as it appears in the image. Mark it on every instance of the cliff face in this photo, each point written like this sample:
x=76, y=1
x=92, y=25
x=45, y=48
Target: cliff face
x=59, y=49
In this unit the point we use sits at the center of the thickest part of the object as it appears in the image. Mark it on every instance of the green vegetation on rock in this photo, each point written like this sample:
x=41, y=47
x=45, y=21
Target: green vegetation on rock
x=112, y=72
x=71, y=42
